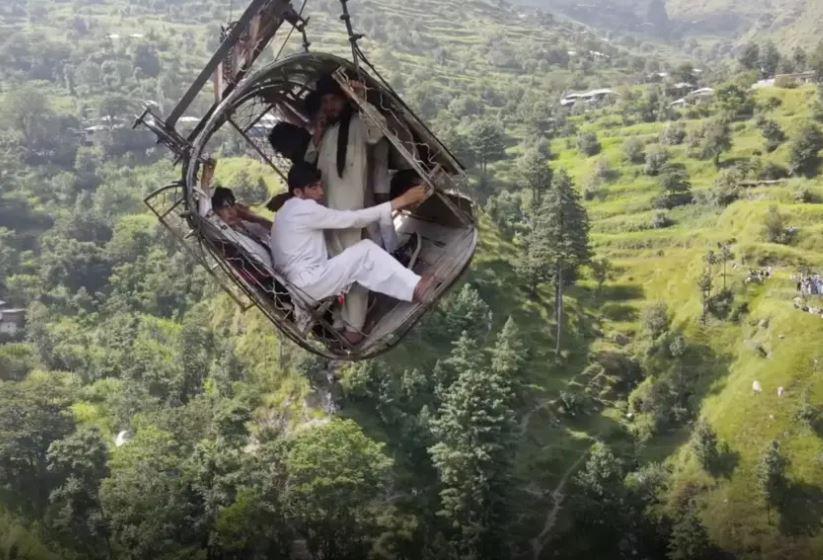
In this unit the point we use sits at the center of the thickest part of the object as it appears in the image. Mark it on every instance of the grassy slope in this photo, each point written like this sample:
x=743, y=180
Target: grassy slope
x=665, y=265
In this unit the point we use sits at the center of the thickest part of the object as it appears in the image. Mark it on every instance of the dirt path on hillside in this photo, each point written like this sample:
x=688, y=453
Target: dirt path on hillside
x=558, y=495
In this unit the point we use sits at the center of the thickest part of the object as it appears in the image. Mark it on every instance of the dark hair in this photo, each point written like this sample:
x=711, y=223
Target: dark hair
x=289, y=140
x=327, y=85
x=403, y=180
x=301, y=175
x=222, y=198
x=312, y=103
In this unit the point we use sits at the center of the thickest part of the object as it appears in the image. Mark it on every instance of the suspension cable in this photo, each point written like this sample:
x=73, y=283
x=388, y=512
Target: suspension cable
x=301, y=27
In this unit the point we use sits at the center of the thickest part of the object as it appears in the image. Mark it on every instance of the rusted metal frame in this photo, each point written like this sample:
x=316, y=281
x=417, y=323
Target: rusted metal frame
x=286, y=13
x=222, y=51
x=257, y=149
x=181, y=241
x=399, y=100
x=258, y=117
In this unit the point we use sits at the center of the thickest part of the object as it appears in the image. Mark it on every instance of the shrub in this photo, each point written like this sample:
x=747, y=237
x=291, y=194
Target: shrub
x=673, y=135
x=676, y=188
x=588, y=143
x=656, y=320
x=634, y=150
x=805, y=150
x=661, y=220
x=656, y=158
x=772, y=171
x=726, y=187
x=785, y=82
x=773, y=134
x=774, y=227
x=805, y=196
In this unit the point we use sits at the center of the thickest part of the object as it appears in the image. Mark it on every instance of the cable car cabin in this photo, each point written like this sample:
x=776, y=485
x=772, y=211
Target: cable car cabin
x=243, y=266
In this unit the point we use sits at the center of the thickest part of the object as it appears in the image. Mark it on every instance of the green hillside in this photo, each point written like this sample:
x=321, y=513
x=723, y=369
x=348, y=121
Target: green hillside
x=641, y=438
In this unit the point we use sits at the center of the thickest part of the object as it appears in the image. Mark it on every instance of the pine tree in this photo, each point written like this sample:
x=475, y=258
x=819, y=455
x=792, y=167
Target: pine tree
x=509, y=353
x=474, y=429
x=536, y=173
x=562, y=231
x=705, y=444
x=771, y=474
x=689, y=540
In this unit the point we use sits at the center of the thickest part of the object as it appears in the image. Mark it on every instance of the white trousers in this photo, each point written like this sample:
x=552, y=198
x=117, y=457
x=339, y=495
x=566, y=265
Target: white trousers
x=367, y=265
x=354, y=310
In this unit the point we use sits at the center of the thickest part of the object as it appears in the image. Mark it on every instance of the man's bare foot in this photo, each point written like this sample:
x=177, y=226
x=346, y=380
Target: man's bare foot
x=353, y=338
x=422, y=292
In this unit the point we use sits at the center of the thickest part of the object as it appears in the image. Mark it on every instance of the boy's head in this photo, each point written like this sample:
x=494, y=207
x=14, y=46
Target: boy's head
x=404, y=180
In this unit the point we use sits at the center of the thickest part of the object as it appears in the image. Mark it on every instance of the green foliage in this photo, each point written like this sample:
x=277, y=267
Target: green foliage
x=749, y=57
x=774, y=227
x=488, y=143
x=656, y=320
x=715, y=139
x=771, y=474
x=534, y=168
x=599, y=488
x=474, y=428
x=75, y=517
x=676, y=188
x=727, y=187
x=704, y=441
x=334, y=473
x=773, y=134
x=145, y=477
x=805, y=149
x=16, y=361
x=689, y=540
x=634, y=149
x=33, y=414
x=656, y=159
x=588, y=144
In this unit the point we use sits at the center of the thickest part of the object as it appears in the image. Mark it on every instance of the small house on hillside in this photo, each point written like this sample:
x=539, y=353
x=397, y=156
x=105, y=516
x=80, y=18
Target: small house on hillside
x=700, y=95
x=12, y=320
x=593, y=97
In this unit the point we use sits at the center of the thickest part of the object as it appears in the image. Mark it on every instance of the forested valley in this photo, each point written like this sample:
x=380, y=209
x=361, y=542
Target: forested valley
x=631, y=368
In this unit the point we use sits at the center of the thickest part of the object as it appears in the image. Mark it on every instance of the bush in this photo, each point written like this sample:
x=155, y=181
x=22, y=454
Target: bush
x=588, y=143
x=676, y=188
x=805, y=151
x=634, y=150
x=726, y=187
x=661, y=220
x=720, y=304
x=673, y=135
x=656, y=159
x=773, y=134
x=774, y=227
x=656, y=320
x=805, y=196
x=771, y=103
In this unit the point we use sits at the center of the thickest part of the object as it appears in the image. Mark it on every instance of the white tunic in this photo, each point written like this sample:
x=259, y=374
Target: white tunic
x=349, y=193
x=300, y=253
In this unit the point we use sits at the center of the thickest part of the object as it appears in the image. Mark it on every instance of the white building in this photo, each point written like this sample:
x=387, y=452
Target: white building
x=12, y=320
x=591, y=97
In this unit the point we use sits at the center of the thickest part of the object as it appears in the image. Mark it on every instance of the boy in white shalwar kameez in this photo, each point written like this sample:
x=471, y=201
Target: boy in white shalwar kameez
x=299, y=246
